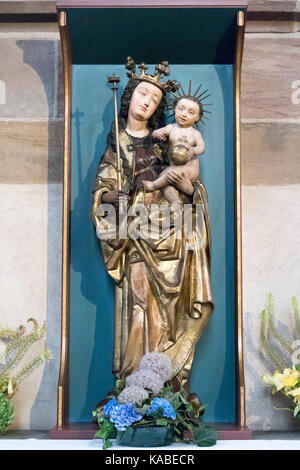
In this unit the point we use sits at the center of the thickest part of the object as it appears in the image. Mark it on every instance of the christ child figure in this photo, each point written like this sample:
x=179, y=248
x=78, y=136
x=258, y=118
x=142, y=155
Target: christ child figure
x=185, y=146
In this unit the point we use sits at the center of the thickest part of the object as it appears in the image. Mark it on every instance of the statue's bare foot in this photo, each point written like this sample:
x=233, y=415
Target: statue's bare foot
x=193, y=399
x=176, y=206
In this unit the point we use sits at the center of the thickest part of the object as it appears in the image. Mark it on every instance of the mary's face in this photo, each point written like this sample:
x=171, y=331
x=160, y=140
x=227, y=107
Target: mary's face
x=145, y=99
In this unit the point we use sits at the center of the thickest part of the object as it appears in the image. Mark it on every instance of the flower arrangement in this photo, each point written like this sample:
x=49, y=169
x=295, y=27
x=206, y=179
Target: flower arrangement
x=288, y=383
x=146, y=400
x=286, y=378
x=14, y=344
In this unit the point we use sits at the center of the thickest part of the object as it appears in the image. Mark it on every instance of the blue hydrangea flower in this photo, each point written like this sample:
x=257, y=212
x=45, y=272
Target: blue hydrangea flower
x=123, y=416
x=168, y=410
x=109, y=406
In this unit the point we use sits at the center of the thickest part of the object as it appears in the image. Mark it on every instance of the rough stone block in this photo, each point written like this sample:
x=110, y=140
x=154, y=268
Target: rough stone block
x=16, y=28
x=48, y=6
x=29, y=6
x=27, y=68
x=31, y=152
x=270, y=67
x=272, y=5
x=270, y=26
x=270, y=154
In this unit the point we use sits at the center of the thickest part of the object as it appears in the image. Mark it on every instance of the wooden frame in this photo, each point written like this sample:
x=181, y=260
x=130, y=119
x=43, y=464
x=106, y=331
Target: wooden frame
x=63, y=429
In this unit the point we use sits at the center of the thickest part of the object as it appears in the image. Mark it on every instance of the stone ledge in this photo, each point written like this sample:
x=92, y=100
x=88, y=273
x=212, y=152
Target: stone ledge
x=49, y=6
x=27, y=7
x=273, y=5
x=42, y=29
x=272, y=26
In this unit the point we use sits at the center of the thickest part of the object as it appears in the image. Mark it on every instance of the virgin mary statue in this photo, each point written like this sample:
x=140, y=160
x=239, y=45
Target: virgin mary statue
x=163, y=297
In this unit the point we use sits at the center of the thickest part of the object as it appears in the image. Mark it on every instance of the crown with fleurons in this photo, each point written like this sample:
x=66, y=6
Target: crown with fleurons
x=179, y=94
x=161, y=70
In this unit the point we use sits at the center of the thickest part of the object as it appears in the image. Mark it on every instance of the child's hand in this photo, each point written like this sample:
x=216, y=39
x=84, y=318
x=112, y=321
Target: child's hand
x=160, y=134
x=191, y=152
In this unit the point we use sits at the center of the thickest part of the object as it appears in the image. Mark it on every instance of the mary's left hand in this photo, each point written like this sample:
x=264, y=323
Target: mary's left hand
x=182, y=183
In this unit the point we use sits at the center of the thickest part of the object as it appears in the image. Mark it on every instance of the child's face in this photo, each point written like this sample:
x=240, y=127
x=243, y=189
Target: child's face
x=186, y=112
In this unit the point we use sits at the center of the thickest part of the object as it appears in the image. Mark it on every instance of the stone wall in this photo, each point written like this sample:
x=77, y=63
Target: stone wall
x=31, y=129
x=31, y=134
x=271, y=190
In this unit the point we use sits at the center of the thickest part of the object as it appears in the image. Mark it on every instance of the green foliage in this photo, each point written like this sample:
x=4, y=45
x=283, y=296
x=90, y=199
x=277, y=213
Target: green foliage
x=162, y=422
x=106, y=432
x=178, y=400
x=197, y=414
x=120, y=385
x=270, y=336
x=142, y=410
x=296, y=316
x=166, y=391
x=6, y=413
x=297, y=411
x=205, y=436
x=107, y=444
x=17, y=344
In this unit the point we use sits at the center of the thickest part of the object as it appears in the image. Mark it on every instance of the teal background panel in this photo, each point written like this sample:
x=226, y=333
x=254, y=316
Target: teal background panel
x=92, y=290
x=181, y=35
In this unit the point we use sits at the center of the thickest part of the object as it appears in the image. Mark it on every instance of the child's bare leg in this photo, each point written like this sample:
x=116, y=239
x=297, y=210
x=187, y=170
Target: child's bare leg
x=171, y=195
x=159, y=183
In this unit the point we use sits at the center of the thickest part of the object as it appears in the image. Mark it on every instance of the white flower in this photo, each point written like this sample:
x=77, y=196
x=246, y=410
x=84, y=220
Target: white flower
x=133, y=395
x=146, y=379
x=158, y=363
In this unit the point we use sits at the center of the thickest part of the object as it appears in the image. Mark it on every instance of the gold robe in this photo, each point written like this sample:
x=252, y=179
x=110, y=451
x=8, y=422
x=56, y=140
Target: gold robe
x=163, y=297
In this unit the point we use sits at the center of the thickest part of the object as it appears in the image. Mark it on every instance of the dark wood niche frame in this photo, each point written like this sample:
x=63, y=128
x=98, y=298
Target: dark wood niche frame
x=64, y=429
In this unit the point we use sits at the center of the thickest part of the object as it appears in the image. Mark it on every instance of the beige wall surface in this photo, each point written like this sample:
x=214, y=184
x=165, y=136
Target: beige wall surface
x=31, y=153
x=270, y=197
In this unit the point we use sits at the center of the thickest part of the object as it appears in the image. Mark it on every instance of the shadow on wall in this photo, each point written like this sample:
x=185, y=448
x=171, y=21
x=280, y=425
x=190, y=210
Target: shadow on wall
x=38, y=54
x=92, y=371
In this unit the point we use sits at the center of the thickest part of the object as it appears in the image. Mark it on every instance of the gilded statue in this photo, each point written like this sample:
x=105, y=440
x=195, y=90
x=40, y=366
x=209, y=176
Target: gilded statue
x=163, y=295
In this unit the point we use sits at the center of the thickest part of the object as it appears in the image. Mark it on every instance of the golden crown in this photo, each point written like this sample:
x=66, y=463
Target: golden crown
x=161, y=70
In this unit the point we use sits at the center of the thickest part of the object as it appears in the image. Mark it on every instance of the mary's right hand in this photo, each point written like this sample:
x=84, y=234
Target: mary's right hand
x=114, y=197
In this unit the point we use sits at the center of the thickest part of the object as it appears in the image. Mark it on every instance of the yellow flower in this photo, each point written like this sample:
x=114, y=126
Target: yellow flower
x=10, y=389
x=275, y=380
x=295, y=394
x=290, y=377
x=278, y=380
x=268, y=379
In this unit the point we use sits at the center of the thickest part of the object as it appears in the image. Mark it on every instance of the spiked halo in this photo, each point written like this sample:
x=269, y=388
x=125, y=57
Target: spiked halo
x=197, y=98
